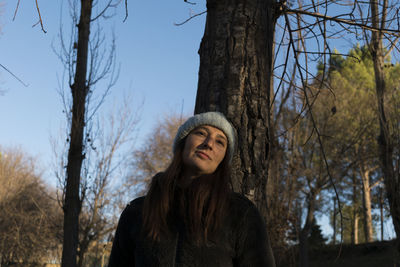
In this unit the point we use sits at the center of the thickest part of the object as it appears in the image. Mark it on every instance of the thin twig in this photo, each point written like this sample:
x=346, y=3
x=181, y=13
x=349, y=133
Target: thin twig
x=186, y=1
x=329, y=53
x=344, y=21
x=109, y=5
x=26, y=85
x=126, y=10
x=191, y=17
x=16, y=10
x=40, y=17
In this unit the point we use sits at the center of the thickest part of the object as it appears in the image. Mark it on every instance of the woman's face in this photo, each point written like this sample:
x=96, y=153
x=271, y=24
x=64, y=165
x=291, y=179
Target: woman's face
x=204, y=150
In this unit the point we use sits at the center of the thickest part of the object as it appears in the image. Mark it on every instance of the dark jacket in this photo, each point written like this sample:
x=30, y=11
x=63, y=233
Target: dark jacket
x=241, y=241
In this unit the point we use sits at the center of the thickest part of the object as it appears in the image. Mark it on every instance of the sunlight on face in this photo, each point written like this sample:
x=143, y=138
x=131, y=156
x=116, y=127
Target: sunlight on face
x=205, y=148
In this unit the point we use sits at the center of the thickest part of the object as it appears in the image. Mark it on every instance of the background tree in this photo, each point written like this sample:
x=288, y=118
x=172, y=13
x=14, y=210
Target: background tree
x=79, y=90
x=351, y=234
x=86, y=65
x=345, y=134
x=353, y=87
x=353, y=77
x=155, y=154
x=381, y=14
x=308, y=169
x=30, y=219
x=346, y=125
x=103, y=188
x=311, y=27
x=316, y=238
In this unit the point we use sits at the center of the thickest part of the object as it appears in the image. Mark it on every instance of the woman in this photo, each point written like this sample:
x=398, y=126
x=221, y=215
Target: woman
x=190, y=216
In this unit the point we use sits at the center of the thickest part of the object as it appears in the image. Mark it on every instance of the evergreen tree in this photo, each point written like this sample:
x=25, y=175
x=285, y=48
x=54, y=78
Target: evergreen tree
x=316, y=239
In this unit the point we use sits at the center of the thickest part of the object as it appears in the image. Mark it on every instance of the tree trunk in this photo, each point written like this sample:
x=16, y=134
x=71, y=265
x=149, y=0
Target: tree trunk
x=79, y=90
x=381, y=209
x=334, y=221
x=367, y=216
x=354, y=228
x=83, y=248
x=306, y=230
x=235, y=78
x=392, y=183
x=356, y=219
x=236, y=56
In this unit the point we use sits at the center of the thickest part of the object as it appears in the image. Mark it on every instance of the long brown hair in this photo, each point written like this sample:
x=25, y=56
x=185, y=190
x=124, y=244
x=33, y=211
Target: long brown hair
x=199, y=205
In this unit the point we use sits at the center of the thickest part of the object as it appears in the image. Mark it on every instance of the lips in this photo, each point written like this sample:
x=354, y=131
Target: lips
x=203, y=155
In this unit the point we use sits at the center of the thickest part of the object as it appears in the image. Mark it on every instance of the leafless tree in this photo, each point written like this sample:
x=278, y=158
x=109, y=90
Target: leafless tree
x=86, y=61
x=155, y=154
x=103, y=186
x=30, y=219
x=103, y=183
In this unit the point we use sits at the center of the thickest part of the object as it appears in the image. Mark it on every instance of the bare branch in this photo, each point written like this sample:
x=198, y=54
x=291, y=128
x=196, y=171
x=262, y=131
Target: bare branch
x=379, y=182
x=191, y=17
x=106, y=8
x=343, y=21
x=126, y=10
x=40, y=17
x=186, y=1
x=16, y=10
x=10, y=72
x=38, y=11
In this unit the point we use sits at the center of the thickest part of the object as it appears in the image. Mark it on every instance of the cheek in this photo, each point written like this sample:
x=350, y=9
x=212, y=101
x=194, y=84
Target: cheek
x=221, y=156
x=187, y=148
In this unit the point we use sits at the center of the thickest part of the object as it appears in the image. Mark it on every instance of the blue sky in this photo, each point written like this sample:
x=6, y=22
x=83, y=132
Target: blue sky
x=158, y=66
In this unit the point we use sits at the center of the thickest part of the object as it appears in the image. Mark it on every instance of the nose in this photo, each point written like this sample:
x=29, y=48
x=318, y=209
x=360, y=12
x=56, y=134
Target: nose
x=208, y=143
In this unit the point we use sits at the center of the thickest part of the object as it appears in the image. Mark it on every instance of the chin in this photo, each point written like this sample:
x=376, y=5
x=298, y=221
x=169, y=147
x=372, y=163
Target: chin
x=199, y=167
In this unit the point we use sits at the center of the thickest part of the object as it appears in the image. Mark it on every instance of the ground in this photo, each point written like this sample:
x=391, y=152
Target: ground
x=377, y=254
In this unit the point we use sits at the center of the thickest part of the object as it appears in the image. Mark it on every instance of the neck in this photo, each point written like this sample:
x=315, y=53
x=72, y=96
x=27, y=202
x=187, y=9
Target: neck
x=187, y=177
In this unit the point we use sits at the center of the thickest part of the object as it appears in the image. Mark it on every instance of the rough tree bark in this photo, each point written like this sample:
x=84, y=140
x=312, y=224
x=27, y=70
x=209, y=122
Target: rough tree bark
x=79, y=90
x=235, y=78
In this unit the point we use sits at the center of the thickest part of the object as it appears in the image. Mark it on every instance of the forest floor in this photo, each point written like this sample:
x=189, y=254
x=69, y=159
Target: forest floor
x=377, y=254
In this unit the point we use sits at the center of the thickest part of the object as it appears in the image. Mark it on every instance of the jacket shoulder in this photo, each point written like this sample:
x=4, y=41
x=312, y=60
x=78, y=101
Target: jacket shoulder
x=251, y=238
x=244, y=212
x=132, y=211
x=136, y=202
x=240, y=202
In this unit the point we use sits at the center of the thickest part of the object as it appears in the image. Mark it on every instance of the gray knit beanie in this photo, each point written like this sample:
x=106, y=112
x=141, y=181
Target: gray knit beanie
x=212, y=118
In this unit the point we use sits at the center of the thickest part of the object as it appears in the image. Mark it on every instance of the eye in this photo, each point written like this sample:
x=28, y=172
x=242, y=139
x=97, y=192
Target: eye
x=221, y=143
x=200, y=132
